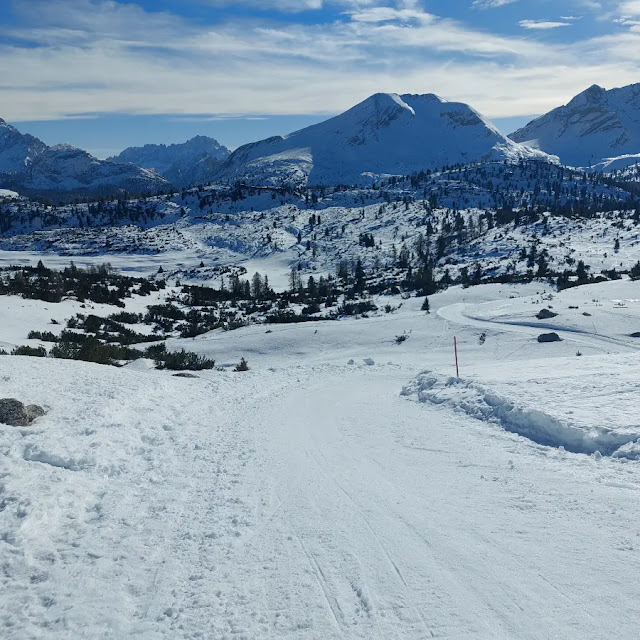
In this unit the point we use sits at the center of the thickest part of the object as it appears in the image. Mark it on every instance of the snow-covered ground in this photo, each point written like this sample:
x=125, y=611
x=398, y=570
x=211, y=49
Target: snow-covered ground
x=347, y=486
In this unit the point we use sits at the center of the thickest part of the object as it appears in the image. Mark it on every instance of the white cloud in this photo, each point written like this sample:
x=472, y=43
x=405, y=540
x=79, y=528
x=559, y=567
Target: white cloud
x=389, y=14
x=293, y=6
x=542, y=24
x=99, y=56
x=630, y=8
x=491, y=4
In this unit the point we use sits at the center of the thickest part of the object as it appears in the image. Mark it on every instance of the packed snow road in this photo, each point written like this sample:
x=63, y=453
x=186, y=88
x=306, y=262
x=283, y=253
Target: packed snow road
x=308, y=502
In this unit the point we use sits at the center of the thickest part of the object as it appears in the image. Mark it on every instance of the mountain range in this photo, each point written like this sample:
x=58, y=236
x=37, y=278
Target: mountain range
x=192, y=162
x=386, y=134
x=29, y=166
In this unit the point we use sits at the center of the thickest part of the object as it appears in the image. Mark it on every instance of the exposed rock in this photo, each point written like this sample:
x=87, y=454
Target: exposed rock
x=184, y=375
x=16, y=414
x=545, y=314
x=549, y=337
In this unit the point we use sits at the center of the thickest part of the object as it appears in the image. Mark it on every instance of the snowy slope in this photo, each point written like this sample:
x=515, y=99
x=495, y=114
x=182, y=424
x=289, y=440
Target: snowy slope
x=221, y=228
x=27, y=165
x=385, y=134
x=308, y=499
x=192, y=162
x=6, y=194
x=598, y=127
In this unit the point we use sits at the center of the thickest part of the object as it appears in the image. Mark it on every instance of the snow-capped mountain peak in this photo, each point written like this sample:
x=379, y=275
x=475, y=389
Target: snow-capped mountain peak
x=385, y=134
x=595, y=127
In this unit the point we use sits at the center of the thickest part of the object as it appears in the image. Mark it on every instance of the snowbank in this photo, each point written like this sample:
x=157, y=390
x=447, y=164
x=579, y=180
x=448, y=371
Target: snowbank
x=538, y=426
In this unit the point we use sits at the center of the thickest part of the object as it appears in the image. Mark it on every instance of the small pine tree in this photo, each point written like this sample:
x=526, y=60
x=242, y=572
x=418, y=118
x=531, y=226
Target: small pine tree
x=243, y=365
x=581, y=271
x=425, y=304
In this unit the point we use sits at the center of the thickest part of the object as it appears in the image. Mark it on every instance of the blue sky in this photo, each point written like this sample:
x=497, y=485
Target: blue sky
x=105, y=74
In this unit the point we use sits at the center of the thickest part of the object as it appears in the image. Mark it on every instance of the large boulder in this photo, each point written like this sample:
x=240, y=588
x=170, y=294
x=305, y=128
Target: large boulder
x=545, y=314
x=16, y=414
x=549, y=337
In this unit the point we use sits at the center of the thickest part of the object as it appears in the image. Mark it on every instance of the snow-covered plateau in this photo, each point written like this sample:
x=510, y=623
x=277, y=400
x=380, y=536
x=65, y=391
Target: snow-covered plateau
x=346, y=486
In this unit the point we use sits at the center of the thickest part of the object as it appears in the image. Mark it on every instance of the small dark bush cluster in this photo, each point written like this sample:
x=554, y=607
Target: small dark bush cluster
x=38, y=352
x=108, y=330
x=289, y=316
x=194, y=322
x=45, y=336
x=178, y=360
x=126, y=317
x=356, y=308
x=77, y=346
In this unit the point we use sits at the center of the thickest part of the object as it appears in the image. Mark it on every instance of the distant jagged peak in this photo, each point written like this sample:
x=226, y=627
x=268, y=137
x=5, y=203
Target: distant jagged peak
x=66, y=147
x=597, y=95
x=593, y=95
x=595, y=127
x=183, y=164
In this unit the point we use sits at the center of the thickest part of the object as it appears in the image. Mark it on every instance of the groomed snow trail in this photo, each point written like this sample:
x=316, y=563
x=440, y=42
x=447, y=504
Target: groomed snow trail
x=304, y=502
x=394, y=521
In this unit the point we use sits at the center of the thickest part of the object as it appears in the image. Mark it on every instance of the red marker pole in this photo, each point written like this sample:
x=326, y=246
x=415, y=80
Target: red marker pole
x=455, y=349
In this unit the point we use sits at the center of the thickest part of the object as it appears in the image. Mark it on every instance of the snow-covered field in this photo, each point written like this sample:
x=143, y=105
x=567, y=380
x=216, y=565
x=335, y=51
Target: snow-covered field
x=347, y=486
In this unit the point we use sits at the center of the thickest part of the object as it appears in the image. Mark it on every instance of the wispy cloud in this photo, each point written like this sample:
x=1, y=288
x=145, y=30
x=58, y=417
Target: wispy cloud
x=542, y=24
x=491, y=4
x=389, y=14
x=297, y=6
